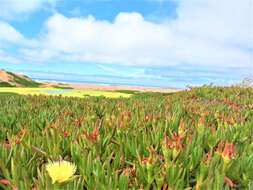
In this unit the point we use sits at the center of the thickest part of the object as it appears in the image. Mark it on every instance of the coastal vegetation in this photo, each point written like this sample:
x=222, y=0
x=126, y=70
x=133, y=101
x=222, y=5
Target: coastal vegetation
x=9, y=79
x=195, y=139
x=64, y=92
x=23, y=80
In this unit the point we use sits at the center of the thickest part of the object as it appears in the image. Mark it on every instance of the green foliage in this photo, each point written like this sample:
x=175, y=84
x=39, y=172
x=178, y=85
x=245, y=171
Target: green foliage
x=7, y=93
x=63, y=87
x=127, y=91
x=6, y=84
x=197, y=139
x=24, y=81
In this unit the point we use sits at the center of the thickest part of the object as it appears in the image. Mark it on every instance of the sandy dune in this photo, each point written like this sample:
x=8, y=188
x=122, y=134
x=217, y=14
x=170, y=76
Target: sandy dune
x=5, y=77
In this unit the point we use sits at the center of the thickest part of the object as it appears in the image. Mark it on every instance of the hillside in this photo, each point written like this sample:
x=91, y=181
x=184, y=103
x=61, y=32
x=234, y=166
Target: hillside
x=9, y=79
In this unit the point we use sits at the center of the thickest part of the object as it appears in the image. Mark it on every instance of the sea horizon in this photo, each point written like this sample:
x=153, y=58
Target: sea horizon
x=107, y=80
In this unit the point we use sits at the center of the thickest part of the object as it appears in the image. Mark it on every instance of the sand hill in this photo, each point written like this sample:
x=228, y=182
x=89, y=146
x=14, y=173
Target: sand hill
x=9, y=79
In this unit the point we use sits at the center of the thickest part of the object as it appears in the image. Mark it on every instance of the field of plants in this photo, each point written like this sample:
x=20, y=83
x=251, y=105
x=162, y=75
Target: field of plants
x=196, y=139
x=63, y=92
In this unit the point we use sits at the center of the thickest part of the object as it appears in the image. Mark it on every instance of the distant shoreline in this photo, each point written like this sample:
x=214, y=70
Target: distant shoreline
x=109, y=87
x=9, y=79
x=122, y=87
x=97, y=83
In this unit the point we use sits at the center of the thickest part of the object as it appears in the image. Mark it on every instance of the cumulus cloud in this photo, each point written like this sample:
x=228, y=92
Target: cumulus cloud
x=228, y=22
x=16, y=9
x=9, y=34
x=205, y=32
x=129, y=39
x=10, y=38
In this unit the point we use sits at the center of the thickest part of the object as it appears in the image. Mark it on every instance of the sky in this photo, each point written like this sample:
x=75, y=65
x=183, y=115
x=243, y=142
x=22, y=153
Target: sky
x=166, y=43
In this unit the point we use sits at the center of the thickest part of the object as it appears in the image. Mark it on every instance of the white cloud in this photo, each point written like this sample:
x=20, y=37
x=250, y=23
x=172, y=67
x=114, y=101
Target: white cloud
x=219, y=21
x=16, y=9
x=128, y=40
x=11, y=38
x=210, y=32
x=9, y=34
x=4, y=57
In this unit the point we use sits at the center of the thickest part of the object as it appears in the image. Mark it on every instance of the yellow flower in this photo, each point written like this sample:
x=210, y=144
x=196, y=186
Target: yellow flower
x=60, y=171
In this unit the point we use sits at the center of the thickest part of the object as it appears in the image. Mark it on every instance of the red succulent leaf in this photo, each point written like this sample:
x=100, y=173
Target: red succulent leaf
x=66, y=134
x=175, y=142
x=229, y=151
x=18, y=141
x=229, y=182
x=5, y=182
x=93, y=136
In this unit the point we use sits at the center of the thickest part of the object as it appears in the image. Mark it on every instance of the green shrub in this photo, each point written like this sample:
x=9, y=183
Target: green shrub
x=6, y=84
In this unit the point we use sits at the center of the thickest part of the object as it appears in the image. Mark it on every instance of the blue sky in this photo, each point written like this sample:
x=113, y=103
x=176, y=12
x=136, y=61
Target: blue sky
x=167, y=43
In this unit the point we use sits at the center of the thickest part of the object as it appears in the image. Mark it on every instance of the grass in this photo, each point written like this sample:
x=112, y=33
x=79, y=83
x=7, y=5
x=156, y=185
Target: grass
x=197, y=139
x=63, y=92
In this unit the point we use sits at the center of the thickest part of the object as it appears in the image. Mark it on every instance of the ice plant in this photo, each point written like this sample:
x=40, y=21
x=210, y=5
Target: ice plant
x=229, y=182
x=175, y=143
x=227, y=152
x=60, y=171
x=93, y=136
x=181, y=128
x=5, y=182
x=66, y=134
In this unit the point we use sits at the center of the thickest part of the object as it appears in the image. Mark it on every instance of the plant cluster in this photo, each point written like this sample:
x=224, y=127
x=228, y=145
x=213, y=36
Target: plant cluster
x=196, y=139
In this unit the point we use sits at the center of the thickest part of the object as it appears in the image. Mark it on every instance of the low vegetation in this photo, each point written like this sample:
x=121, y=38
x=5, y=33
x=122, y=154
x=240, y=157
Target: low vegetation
x=197, y=139
x=64, y=92
x=9, y=79
x=23, y=80
x=6, y=84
